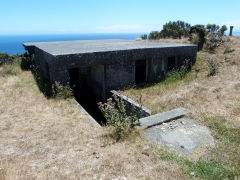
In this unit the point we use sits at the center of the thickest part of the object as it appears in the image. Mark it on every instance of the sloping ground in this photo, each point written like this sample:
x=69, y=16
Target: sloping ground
x=217, y=95
x=44, y=138
x=214, y=101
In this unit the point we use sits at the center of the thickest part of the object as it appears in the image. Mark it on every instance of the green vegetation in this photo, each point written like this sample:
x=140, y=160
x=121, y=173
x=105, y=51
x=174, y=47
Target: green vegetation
x=211, y=35
x=9, y=64
x=5, y=58
x=200, y=32
x=215, y=29
x=175, y=29
x=154, y=35
x=228, y=50
x=212, y=67
x=144, y=37
x=61, y=92
x=172, y=29
x=115, y=112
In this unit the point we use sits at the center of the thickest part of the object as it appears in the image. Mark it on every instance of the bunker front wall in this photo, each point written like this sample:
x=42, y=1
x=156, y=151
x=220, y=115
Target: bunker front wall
x=116, y=68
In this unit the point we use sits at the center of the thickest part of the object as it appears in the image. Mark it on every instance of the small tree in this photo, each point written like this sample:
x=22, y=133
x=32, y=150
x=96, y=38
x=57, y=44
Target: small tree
x=144, y=37
x=212, y=28
x=154, y=35
x=200, y=30
x=222, y=30
x=175, y=29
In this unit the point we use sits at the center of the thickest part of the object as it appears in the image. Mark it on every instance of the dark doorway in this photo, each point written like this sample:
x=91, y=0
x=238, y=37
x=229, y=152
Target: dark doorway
x=47, y=71
x=80, y=82
x=171, y=63
x=140, y=71
x=74, y=80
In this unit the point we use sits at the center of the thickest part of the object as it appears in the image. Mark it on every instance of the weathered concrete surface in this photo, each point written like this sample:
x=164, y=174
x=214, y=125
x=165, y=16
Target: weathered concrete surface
x=91, y=46
x=144, y=112
x=162, y=117
x=184, y=135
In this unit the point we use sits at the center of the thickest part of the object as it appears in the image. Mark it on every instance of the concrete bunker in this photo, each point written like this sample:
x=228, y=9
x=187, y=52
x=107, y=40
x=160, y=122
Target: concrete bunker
x=93, y=68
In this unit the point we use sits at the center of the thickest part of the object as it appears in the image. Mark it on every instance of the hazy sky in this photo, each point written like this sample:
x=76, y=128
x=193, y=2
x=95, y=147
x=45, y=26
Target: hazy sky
x=111, y=16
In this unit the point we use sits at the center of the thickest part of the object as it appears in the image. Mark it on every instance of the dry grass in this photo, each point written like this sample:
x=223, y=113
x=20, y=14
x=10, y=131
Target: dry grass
x=44, y=138
x=212, y=100
x=181, y=41
x=216, y=96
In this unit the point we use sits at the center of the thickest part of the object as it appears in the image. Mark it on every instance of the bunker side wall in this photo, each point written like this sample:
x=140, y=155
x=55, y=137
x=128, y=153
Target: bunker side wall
x=45, y=62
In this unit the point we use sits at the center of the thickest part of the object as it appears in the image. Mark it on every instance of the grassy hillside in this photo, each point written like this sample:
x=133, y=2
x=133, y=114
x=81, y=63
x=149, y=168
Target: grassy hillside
x=47, y=138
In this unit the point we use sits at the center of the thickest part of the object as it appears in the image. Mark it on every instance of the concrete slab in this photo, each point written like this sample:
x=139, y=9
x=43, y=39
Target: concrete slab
x=162, y=117
x=184, y=135
x=91, y=46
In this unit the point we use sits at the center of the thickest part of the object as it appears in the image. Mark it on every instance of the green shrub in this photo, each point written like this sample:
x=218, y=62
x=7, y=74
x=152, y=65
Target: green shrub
x=200, y=30
x=212, y=28
x=212, y=68
x=114, y=110
x=213, y=41
x=144, y=37
x=62, y=92
x=222, y=30
x=5, y=58
x=215, y=29
x=154, y=35
x=175, y=29
x=27, y=62
x=228, y=50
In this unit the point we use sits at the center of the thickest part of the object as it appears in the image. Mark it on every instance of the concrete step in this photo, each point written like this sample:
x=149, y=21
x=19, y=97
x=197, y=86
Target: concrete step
x=162, y=117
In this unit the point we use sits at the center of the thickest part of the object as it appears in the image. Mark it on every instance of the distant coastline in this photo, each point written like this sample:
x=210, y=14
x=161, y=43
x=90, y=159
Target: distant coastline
x=12, y=44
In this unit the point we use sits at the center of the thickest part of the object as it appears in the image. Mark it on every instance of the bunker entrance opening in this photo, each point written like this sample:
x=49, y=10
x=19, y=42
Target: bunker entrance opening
x=141, y=71
x=82, y=85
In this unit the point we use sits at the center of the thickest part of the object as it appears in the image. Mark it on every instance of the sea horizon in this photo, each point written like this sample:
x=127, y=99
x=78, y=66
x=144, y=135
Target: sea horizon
x=12, y=44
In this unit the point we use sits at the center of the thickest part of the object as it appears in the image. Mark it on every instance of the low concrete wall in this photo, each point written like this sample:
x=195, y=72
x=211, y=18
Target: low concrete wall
x=130, y=103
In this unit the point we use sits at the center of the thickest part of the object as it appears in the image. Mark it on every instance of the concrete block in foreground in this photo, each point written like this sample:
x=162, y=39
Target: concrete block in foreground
x=162, y=117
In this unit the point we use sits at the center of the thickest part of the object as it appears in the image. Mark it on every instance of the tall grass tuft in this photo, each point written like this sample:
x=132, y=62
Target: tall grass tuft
x=212, y=67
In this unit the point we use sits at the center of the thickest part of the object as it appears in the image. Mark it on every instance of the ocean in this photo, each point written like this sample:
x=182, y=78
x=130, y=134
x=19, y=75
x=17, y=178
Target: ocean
x=12, y=44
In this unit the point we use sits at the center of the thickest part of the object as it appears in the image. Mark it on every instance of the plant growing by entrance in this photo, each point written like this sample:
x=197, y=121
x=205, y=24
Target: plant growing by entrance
x=117, y=116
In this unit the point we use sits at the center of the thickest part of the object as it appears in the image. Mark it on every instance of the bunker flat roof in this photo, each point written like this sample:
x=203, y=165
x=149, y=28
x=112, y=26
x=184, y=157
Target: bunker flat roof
x=90, y=46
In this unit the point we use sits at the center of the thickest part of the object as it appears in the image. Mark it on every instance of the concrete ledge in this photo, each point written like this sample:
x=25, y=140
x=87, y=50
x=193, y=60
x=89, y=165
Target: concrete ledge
x=163, y=117
x=91, y=119
x=130, y=103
